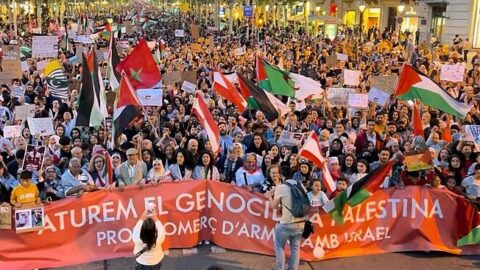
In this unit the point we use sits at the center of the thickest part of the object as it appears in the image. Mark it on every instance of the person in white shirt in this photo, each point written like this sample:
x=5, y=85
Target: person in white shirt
x=317, y=197
x=148, y=236
x=250, y=176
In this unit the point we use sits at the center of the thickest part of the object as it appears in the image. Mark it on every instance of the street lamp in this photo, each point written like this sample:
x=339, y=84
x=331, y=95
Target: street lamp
x=400, y=8
x=361, y=7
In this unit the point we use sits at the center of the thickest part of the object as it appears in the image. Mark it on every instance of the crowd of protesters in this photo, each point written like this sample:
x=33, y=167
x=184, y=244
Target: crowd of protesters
x=169, y=144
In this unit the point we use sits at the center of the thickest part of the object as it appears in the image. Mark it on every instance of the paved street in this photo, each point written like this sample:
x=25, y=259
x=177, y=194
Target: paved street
x=233, y=260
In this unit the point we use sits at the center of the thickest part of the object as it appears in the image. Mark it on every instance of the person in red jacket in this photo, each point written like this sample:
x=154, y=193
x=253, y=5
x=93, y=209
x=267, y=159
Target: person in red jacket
x=362, y=140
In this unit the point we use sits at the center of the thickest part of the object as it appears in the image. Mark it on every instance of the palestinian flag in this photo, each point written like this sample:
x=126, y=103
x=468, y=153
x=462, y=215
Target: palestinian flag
x=113, y=61
x=274, y=80
x=357, y=192
x=260, y=97
x=127, y=106
x=412, y=85
x=56, y=80
x=140, y=67
x=92, y=108
x=468, y=232
x=226, y=89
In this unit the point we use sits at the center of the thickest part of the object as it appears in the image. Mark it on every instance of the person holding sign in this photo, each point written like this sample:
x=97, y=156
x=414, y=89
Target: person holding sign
x=25, y=193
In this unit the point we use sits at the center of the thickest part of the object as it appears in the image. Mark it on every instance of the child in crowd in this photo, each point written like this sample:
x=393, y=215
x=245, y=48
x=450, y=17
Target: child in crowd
x=26, y=192
x=317, y=197
x=342, y=184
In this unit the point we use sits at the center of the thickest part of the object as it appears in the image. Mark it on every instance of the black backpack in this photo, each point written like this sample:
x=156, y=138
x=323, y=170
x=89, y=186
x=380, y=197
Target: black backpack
x=300, y=201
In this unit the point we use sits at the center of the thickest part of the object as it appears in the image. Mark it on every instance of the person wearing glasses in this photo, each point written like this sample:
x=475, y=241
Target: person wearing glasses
x=96, y=169
x=47, y=184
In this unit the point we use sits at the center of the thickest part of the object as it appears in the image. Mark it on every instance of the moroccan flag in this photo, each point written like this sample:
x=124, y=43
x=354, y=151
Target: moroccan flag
x=311, y=150
x=262, y=101
x=412, y=84
x=92, y=107
x=140, y=67
x=274, y=80
x=357, y=192
x=56, y=80
x=227, y=90
x=200, y=109
x=113, y=61
x=468, y=232
x=417, y=121
x=127, y=106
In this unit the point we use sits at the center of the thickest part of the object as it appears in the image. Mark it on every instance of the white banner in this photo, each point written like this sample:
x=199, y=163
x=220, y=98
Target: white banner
x=44, y=46
x=42, y=126
x=188, y=87
x=473, y=134
x=339, y=96
x=351, y=77
x=150, y=97
x=179, y=33
x=378, y=96
x=452, y=73
x=12, y=131
x=358, y=101
x=290, y=138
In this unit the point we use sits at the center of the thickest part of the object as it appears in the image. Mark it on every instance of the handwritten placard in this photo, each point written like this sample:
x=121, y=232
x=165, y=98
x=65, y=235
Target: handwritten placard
x=358, y=101
x=339, y=96
x=188, y=87
x=452, y=73
x=11, y=131
x=41, y=126
x=44, y=46
x=22, y=112
x=386, y=83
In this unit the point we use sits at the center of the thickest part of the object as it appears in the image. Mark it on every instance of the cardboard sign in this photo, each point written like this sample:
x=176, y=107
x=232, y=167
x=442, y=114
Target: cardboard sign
x=194, y=31
x=172, y=77
x=11, y=62
x=331, y=60
x=29, y=219
x=239, y=51
x=150, y=97
x=44, y=46
x=386, y=83
x=33, y=159
x=452, y=73
x=5, y=216
x=42, y=126
x=22, y=112
x=189, y=76
x=195, y=47
x=358, y=101
x=11, y=131
x=210, y=43
x=339, y=96
x=179, y=33
x=351, y=77
x=188, y=87
x=378, y=96
x=290, y=138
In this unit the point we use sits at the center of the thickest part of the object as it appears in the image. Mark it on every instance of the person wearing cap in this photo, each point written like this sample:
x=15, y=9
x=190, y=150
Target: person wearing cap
x=75, y=181
x=133, y=171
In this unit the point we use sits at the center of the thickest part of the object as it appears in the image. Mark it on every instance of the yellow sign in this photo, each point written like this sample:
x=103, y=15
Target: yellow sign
x=184, y=7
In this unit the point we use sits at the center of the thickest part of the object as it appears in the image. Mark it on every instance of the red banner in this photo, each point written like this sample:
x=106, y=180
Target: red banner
x=99, y=225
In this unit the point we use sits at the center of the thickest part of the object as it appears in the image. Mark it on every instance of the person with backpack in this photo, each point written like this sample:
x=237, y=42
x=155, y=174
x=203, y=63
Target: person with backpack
x=293, y=200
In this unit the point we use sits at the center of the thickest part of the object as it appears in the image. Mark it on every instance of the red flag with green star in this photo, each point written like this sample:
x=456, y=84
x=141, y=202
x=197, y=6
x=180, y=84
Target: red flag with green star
x=140, y=67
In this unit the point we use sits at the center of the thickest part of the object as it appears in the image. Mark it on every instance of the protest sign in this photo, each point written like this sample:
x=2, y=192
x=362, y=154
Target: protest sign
x=29, y=219
x=33, y=159
x=18, y=91
x=24, y=111
x=172, y=77
x=44, y=46
x=5, y=216
x=452, y=73
x=373, y=227
x=342, y=57
x=179, y=33
x=12, y=131
x=37, y=30
x=41, y=126
x=378, y=96
x=418, y=161
x=239, y=51
x=339, y=96
x=331, y=60
x=195, y=47
x=351, y=77
x=128, y=28
x=290, y=138
x=473, y=134
x=212, y=28
x=11, y=62
x=358, y=101
x=189, y=76
x=194, y=31
x=188, y=87
x=25, y=66
x=386, y=83
x=150, y=97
